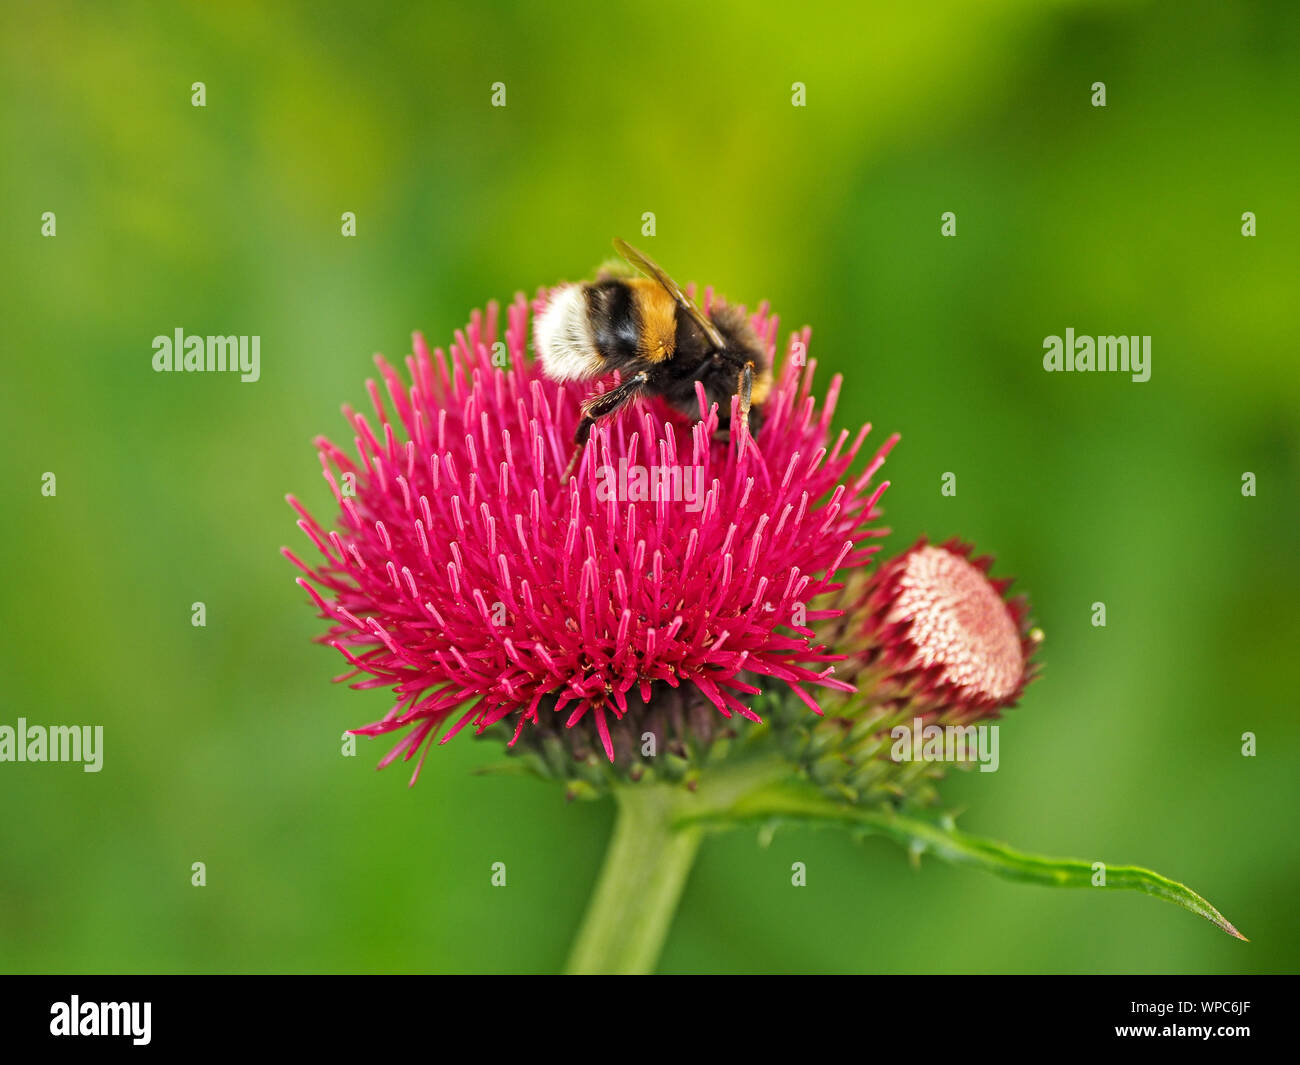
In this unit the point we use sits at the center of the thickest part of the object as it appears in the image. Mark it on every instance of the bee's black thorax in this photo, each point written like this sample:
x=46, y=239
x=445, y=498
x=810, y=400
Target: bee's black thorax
x=718, y=371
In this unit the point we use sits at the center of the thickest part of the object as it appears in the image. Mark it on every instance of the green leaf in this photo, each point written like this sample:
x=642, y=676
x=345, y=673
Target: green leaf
x=920, y=835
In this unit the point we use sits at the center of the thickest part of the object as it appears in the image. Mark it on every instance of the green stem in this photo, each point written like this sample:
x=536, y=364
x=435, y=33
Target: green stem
x=642, y=879
x=650, y=856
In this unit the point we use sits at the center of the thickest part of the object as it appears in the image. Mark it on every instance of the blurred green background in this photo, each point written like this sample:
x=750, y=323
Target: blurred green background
x=223, y=743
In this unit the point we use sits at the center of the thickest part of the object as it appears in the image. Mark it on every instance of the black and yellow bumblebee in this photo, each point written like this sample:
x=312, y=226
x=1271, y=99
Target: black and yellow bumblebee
x=661, y=342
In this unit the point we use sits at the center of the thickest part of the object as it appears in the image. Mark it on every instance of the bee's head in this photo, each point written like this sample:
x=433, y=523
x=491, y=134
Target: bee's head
x=742, y=343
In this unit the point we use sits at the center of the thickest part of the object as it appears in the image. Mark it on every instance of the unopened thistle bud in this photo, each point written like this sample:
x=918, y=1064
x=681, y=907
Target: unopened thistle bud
x=934, y=648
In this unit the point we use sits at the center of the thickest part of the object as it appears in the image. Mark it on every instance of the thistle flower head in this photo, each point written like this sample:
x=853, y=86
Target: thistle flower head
x=465, y=577
x=940, y=633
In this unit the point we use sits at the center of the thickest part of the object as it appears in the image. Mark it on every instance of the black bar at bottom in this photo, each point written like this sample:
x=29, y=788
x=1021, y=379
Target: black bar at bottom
x=381, y=1014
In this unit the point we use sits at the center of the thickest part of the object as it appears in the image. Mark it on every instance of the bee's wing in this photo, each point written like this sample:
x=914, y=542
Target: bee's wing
x=652, y=269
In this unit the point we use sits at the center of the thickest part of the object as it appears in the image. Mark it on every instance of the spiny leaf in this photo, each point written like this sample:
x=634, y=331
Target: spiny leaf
x=919, y=835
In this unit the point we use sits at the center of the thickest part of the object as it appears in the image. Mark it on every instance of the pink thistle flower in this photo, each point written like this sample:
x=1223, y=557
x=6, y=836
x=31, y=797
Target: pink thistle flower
x=465, y=577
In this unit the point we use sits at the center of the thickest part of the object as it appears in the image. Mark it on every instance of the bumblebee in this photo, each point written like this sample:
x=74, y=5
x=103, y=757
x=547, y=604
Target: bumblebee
x=649, y=330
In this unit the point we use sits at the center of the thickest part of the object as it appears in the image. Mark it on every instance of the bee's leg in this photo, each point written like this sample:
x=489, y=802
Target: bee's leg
x=746, y=389
x=599, y=407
